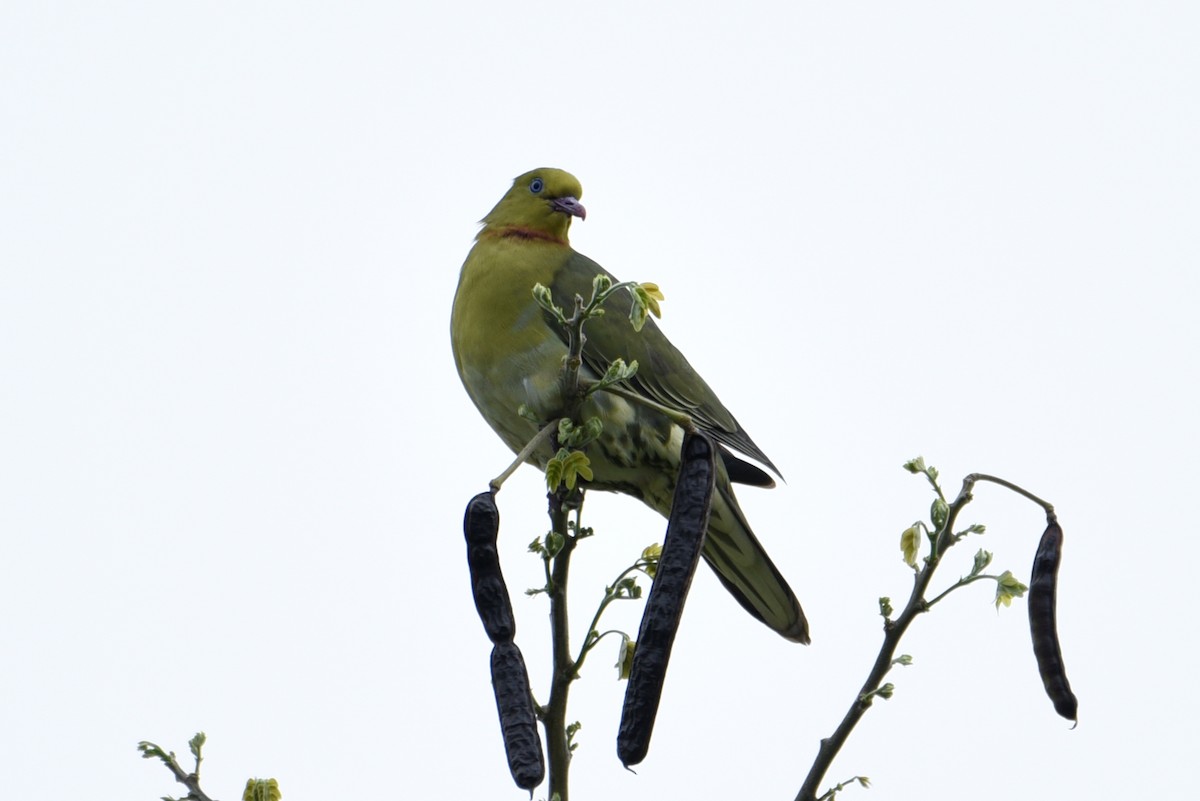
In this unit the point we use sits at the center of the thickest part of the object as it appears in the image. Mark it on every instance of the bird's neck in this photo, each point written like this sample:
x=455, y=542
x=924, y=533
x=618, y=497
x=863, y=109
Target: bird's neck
x=521, y=233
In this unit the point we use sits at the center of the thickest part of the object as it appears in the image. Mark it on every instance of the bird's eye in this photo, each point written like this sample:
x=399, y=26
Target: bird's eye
x=536, y=185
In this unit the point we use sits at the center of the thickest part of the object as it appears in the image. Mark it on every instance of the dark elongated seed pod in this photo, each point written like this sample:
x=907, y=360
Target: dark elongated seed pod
x=1043, y=624
x=660, y=620
x=514, y=703
x=481, y=526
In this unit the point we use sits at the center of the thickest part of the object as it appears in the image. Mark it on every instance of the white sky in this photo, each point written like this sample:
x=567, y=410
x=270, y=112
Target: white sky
x=234, y=452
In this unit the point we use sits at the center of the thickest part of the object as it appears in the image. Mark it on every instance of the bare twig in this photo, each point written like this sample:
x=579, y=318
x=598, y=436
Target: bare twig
x=525, y=453
x=677, y=417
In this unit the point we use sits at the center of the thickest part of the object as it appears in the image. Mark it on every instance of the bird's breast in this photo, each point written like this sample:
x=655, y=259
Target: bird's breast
x=507, y=355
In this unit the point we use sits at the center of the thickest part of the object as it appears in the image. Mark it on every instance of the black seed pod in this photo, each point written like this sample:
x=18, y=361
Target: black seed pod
x=481, y=527
x=514, y=703
x=660, y=620
x=1043, y=624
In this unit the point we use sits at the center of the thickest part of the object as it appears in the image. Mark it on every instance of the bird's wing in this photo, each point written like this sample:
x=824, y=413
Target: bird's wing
x=664, y=374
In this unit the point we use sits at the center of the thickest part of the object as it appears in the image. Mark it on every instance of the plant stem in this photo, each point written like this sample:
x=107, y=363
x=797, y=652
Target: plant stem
x=1048, y=507
x=609, y=597
x=895, y=629
x=525, y=453
x=188, y=780
x=570, y=371
x=564, y=668
x=554, y=714
x=677, y=417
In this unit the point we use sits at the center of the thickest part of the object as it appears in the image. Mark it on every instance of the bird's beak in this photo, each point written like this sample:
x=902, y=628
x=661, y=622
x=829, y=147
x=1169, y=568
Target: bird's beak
x=569, y=205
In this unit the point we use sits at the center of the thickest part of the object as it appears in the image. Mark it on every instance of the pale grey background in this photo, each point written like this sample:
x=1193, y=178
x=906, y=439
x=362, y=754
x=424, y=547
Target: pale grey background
x=234, y=452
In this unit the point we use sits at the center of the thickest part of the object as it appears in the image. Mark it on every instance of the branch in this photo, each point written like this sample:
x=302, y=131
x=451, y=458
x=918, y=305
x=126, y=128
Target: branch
x=189, y=780
x=524, y=455
x=943, y=539
x=554, y=714
x=677, y=417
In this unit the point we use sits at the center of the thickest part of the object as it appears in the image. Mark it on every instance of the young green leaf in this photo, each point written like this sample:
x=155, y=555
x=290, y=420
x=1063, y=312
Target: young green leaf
x=196, y=745
x=567, y=467
x=617, y=372
x=576, y=466
x=600, y=284
x=573, y=436
x=1007, y=588
x=650, y=556
x=626, y=588
x=543, y=297
x=554, y=473
x=910, y=544
x=572, y=730
x=261, y=790
x=645, y=302
x=938, y=513
x=625, y=657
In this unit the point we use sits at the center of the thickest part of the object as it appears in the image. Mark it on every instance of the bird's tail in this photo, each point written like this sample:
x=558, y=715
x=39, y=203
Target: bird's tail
x=743, y=566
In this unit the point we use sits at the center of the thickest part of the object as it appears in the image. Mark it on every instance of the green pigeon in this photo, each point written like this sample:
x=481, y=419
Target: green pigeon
x=509, y=352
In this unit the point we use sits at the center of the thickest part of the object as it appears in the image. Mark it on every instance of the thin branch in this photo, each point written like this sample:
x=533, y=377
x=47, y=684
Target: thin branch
x=609, y=597
x=837, y=788
x=525, y=453
x=830, y=746
x=962, y=582
x=189, y=780
x=554, y=714
x=677, y=417
x=894, y=630
x=1050, y=517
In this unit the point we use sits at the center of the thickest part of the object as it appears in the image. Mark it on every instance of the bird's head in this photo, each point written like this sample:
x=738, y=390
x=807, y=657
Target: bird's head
x=539, y=205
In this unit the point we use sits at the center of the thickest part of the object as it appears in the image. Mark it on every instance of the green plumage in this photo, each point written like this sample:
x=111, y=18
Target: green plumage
x=509, y=352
